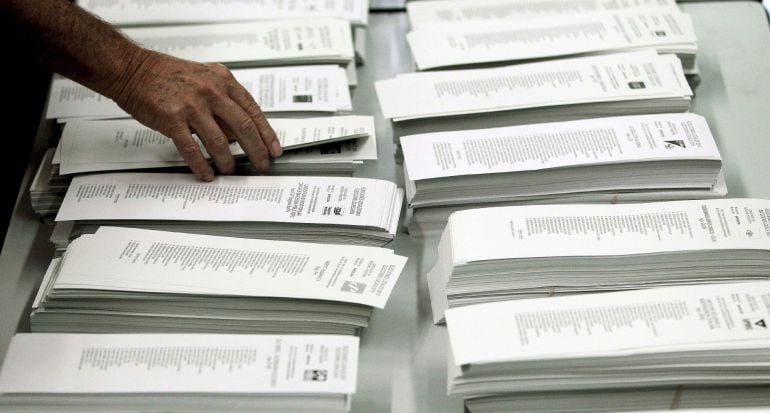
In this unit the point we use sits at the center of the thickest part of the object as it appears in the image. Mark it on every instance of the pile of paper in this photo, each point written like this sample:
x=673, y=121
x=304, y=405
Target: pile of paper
x=134, y=280
x=426, y=13
x=567, y=89
x=327, y=146
x=647, y=157
x=666, y=30
x=496, y=254
x=127, y=13
x=137, y=12
x=689, y=335
x=253, y=43
x=314, y=209
x=682, y=398
x=179, y=372
x=295, y=90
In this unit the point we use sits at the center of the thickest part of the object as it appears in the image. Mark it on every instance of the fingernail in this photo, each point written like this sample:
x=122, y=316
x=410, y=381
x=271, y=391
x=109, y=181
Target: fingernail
x=208, y=176
x=265, y=165
x=276, y=148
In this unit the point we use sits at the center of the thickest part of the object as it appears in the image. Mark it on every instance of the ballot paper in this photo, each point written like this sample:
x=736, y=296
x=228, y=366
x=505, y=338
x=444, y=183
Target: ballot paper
x=424, y=13
x=158, y=281
x=100, y=145
x=616, y=78
x=341, y=158
x=494, y=254
x=253, y=43
x=165, y=372
x=326, y=209
x=665, y=151
x=486, y=42
x=687, y=335
x=686, y=399
x=293, y=89
x=126, y=259
x=140, y=12
x=431, y=221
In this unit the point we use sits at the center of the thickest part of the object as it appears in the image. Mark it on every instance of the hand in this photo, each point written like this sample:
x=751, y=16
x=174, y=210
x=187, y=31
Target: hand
x=178, y=98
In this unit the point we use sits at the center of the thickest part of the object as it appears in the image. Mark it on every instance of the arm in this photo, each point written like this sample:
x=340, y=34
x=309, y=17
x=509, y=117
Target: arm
x=173, y=96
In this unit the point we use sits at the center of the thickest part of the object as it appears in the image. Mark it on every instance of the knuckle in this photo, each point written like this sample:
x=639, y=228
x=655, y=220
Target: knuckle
x=188, y=149
x=253, y=109
x=217, y=142
x=176, y=110
x=247, y=126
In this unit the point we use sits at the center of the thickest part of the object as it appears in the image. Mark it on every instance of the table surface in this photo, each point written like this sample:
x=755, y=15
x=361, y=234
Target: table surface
x=402, y=365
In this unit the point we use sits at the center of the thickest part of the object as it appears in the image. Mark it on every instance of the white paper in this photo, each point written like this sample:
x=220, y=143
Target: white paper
x=423, y=13
x=181, y=197
x=99, y=145
x=615, y=77
x=321, y=40
x=559, y=144
x=456, y=44
x=126, y=259
x=630, y=322
x=180, y=363
x=140, y=12
x=320, y=88
x=601, y=230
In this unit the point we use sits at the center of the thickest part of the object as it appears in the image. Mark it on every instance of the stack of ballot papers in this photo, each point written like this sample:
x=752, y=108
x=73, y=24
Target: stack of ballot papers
x=154, y=373
x=496, y=254
x=143, y=13
x=253, y=43
x=293, y=90
x=681, y=398
x=104, y=145
x=328, y=146
x=134, y=280
x=595, y=160
x=126, y=13
x=334, y=210
x=577, y=88
x=427, y=13
x=666, y=30
x=707, y=335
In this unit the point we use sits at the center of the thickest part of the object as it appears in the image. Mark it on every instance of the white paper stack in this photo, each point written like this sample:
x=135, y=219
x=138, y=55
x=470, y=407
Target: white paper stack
x=128, y=13
x=294, y=90
x=132, y=373
x=643, y=157
x=683, y=399
x=567, y=89
x=666, y=30
x=105, y=145
x=47, y=190
x=339, y=146
x=314, y=209
x=426, y=13
x=141, y=12
x=495, y=254
x=689, y=335
x=253, y=43
x=134, y=280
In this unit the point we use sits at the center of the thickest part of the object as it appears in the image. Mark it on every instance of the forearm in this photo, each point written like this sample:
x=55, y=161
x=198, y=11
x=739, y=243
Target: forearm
x=176, y=97
x=74, y=43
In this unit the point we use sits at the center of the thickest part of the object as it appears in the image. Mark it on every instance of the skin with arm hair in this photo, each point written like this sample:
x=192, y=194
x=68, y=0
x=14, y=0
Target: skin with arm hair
x=173, y=96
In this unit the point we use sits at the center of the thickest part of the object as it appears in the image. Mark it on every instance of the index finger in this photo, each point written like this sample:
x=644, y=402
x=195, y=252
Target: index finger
x=191, y=153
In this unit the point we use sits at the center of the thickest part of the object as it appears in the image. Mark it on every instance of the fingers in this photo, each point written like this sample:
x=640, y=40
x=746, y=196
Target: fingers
x=215, y=141
x=246, y=131
x=190, y=151
x=244, y=99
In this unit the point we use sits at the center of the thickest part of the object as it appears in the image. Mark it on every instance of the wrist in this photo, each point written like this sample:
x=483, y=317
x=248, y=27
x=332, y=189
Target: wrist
x=136, y=65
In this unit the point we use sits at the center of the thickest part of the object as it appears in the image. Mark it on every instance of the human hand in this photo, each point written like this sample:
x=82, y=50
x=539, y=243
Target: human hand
x=178, y=98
